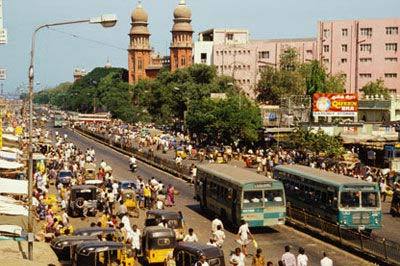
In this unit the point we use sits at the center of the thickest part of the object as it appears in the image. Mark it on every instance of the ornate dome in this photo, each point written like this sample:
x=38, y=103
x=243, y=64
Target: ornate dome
x=182, y=11
x=139, y=14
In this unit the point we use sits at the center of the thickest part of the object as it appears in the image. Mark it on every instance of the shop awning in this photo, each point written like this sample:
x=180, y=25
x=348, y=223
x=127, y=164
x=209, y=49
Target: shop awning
x=10, y=165
x=13, y=186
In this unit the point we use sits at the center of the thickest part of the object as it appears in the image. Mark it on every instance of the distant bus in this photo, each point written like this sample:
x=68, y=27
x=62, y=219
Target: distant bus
x=58, y=120
x=349, y=202
x=92, y=118
x=237, y=194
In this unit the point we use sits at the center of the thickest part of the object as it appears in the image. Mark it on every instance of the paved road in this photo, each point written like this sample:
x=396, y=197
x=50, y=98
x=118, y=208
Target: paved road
x=272, y=241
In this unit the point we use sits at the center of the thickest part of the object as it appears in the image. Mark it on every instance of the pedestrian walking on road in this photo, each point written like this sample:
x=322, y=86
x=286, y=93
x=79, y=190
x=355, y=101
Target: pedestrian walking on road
x=258, y=259
x=237, y=258
x=302, y=259
x=219, y=236
x=288, y=258
x=215, y=223
x=244, y=236
x=191, y=236
x=326, y=261
x=170, y=196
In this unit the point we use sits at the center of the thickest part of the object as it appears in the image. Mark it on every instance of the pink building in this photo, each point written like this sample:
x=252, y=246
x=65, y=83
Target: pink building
x=362, y=50
x=243, y=61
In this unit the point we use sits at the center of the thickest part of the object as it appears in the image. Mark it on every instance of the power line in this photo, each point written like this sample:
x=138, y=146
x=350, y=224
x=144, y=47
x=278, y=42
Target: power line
x=87, y=39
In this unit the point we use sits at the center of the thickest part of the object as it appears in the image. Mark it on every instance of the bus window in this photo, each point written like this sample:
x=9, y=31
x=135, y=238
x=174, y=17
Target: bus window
x=252, y=199
x=370, y=199
x=273, y=196
x=350, y=199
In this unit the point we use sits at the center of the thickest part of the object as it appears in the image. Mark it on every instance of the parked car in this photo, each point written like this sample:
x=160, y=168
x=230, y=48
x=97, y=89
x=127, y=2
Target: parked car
x=127, y=185
x=64, y=177
x=81, y=197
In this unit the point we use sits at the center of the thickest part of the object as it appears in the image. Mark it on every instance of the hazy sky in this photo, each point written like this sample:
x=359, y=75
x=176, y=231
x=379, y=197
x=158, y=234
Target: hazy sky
x=58, y=53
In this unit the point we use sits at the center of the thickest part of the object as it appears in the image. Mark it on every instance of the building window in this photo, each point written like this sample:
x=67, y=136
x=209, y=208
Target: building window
x=217, y=52
x=248, y=51
x=183, y=61
x=203, y=58
x=366, y=47
x=345, y=32
x=365, y=75
x=344, y=76
x=343, y=60
x=248, y=81
x=391, y=59
x=390, y=75
x=325, y=60
x=263, y=55
x=391, y=47
x=344, y=48
x=229, y=36
x=309, y=51
x=366, y=32
x=365, y=59
x=140, y=64
x=326, y=48
x=392, y=30
x=326, y=33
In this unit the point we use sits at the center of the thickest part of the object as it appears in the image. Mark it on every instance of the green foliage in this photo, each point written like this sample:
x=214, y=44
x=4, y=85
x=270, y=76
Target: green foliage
x=317, y=142
x=376, y=88
x=224, y=120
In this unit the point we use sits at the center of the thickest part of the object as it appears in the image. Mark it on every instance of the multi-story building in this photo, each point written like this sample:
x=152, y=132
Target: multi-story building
x=143, y=62
x=233, y=54
x=362, y=51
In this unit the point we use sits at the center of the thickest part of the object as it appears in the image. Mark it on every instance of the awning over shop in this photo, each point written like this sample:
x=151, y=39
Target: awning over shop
x=10, y=156
x=12, y=212
x=10, y=137
x=10, y=165
x=13, y=186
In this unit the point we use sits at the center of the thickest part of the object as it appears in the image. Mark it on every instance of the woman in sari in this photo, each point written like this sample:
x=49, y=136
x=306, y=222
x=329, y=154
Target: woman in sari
x=170, y=195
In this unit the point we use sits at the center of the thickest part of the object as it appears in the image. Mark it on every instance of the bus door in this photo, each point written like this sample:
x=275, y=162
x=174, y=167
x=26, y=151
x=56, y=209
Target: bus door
x=234, y=206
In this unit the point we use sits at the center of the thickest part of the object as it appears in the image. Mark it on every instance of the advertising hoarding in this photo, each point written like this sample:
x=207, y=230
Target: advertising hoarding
x=335, y=104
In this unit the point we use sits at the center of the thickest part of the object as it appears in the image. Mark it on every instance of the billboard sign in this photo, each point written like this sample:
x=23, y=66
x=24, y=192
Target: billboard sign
x=335, y=104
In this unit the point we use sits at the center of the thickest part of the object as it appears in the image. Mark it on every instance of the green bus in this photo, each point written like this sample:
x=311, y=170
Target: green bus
x=58, y=120
x=342, y=200
x=237, y=194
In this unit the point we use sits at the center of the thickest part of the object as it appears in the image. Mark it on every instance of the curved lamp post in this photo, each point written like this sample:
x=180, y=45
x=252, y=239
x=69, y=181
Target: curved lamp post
x=106, y=21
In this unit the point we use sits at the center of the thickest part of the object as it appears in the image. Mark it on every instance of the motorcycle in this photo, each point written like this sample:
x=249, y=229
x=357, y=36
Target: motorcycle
x=133, y=166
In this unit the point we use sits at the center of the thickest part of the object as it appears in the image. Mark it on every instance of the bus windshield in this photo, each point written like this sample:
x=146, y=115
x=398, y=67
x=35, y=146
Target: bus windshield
x=253, y=198
x=273, y=197
x=370, y=199
x=350, y=199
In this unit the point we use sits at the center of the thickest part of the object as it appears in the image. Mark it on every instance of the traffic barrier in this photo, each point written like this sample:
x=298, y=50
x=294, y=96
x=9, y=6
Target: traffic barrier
x=378, y=248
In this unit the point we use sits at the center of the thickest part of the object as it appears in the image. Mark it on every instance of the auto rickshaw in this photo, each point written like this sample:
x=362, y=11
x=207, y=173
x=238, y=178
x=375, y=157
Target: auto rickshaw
x=95, y=253
x=90, y=171
x=186, y=253
x=180, y=152
x=157, y=243
x=174, y=221
x=129, y=198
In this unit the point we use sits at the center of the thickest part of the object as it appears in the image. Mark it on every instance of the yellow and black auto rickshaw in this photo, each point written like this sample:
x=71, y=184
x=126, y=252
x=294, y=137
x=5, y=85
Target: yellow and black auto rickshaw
x=129, y=199
x=157, y=243
x=173, y=220
x=104, y=253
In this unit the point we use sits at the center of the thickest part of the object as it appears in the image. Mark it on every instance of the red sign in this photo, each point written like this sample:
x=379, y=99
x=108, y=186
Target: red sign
x=335, y=104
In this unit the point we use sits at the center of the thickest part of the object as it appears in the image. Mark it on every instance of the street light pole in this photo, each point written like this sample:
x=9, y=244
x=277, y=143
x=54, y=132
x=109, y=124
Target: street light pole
x=105, y=21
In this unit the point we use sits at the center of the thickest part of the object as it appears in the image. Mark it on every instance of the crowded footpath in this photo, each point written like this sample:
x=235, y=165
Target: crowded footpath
x=73, y=196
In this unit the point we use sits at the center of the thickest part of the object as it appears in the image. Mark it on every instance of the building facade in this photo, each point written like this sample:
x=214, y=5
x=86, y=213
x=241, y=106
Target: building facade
x=362, y=51
x=143, y=62
x=233, y=54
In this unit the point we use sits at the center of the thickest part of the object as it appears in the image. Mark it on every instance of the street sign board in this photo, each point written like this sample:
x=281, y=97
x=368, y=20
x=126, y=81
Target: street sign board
x=3, y=36
x=335, y=104
x=3, y=74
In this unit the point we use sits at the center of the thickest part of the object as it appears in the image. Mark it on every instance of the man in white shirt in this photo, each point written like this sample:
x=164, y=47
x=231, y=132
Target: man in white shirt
x=237, y=258
x=215, y=223
x=191, y=237
x=219, y=236
x=326, y=261
x=288, y=258
x=135, y=236
x=202, y=261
